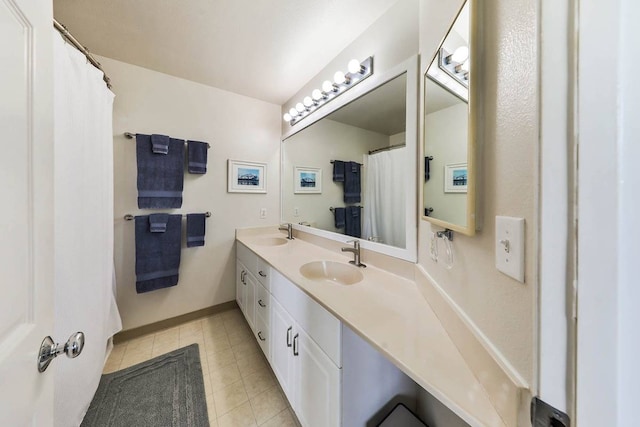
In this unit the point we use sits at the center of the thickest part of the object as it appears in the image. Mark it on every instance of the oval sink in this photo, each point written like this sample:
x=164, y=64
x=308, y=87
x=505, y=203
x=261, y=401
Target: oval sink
x=271, y=241
x=335, y=272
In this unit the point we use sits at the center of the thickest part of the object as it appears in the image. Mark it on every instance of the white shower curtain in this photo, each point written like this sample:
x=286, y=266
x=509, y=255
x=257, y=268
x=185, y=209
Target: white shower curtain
x=384, y=201
x=83, y=210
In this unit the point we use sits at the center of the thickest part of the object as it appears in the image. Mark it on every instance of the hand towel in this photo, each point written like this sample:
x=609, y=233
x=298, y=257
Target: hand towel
x=196, y=224
x=160, y=177
x=351, y=182
x=157, y=254
x=352, y=221
x=160, y=144
x=158, y=222
x=338, y=171
x=338, y=217
x=197, y=152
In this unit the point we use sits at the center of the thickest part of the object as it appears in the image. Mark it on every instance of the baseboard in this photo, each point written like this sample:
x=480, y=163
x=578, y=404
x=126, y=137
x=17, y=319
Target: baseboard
x=174, y=321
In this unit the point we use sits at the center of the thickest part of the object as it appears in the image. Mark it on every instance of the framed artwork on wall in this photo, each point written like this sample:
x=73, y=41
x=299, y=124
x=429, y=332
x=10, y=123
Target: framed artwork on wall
x=246, y=177
x=307, y=180
x=455, y=178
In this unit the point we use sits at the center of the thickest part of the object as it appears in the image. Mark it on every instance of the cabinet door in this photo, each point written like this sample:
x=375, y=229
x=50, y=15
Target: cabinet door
x=250, y=301
x=317, y=379
x=281, y=327
x=241, y=294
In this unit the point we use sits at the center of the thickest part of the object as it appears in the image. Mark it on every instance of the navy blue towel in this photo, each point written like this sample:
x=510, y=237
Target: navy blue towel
x=339, y=217
x=196, y=224
x=157, y=254
x=338, y=171
x=158, y=222
x=160, y=176
x=352, y=221
x=351, y=182
x=160, y=144
x=197, y=154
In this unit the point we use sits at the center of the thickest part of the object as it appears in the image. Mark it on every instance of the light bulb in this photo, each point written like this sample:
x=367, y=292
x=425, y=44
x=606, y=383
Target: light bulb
x=355, y=67
x=287, y=117
x=327, y=86
x=300, y=107
x=293, y=112
x=460, y=54
x=339, y=78
x=465, y=65
x=308, y=102
x=317, y=94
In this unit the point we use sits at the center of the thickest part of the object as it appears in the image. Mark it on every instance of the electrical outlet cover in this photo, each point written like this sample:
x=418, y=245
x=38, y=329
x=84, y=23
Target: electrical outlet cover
x=509, y=245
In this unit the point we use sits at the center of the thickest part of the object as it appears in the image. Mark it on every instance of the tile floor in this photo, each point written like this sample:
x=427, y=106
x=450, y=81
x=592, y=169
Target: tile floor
x=240, y=387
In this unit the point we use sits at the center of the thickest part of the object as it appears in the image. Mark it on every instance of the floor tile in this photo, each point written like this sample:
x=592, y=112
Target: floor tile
x=224, y=376
x=258, y=382
x=229, y=398
x=283, y=419
x=267, y=404
x=242, y=416
x=251, y=363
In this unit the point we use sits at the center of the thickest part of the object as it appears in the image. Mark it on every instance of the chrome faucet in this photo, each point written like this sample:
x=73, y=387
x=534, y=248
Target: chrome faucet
x=289, y=229
x=356, y=253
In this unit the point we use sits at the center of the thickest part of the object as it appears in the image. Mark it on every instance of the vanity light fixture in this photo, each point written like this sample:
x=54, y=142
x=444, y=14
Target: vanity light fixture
x=455, y=64
x=357, y=72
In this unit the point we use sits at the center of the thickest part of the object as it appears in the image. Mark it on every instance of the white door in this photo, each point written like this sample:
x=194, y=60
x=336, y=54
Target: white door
x=250, y=302
x=26, y=210
x=241, y=294
x=281, y=347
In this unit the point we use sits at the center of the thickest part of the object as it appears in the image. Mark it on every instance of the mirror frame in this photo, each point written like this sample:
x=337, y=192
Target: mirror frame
x=470, y=228
x=410, y=67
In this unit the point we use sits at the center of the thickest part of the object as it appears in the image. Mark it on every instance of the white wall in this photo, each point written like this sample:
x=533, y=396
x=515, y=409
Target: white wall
x=237, y=127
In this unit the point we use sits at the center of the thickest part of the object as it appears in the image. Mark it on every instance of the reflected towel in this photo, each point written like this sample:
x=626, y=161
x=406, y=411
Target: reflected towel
x=160, y=177
x=196, y=224
x=338, y=171
x=339, y=217
x=160, y=144
x=157, y=254
x=197, y=155
x=352, y=182
x=353, y=221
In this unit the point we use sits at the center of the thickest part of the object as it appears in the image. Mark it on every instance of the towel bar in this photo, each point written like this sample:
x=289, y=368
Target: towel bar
x=130, y=135
x=332, y=208
x=129, y=217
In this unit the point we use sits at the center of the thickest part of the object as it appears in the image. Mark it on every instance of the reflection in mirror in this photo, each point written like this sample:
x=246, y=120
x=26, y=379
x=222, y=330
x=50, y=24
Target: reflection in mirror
x=448, y=180
x=321, y=187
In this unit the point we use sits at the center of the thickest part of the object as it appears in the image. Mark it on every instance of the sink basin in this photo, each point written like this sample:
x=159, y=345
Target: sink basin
x=271, y=241
x=335, y=272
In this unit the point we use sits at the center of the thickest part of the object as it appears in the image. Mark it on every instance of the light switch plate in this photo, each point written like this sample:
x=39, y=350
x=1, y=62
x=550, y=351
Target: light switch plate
x=510, y=246
x=263, y=213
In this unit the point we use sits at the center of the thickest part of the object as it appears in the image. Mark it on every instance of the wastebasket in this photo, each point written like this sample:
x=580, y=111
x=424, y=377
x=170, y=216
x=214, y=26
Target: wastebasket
x=401, y=416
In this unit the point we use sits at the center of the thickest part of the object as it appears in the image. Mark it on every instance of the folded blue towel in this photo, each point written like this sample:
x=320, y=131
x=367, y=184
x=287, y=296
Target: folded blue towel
x=160, y=144
x=157, y=254
x=352, y=221
x=338, y=217
x=196, y=224
x=351, y=182
x=197, y=152
x=160, y=177
x=338, y=171
x=158, y=222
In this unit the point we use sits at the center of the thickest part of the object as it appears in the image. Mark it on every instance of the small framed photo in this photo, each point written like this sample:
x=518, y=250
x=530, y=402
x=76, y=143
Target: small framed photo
x=246, y=177
x=307, y=180
x=455, y=178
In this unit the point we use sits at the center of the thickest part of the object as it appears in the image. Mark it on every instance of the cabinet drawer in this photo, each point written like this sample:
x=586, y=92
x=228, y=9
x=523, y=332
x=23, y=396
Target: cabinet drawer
x=264, y=273
x=262, y=335
x=263, y=303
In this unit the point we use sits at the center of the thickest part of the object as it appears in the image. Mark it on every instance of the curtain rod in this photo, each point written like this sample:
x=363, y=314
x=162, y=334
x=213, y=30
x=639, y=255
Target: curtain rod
x=391, y=147
x=67, y=35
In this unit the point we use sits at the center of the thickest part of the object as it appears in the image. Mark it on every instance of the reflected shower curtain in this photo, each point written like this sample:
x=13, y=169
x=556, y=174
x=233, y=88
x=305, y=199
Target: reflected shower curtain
x=83, y=216
x=384, y=202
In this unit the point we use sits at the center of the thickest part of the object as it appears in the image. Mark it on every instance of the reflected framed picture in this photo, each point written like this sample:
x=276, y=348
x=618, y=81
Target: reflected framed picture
x=307, y=180
x=455, y=178
x=246, y=177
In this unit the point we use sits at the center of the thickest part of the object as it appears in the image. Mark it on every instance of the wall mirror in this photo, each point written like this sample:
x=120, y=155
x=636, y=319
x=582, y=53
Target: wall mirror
x=372, y=133
x=448, y=155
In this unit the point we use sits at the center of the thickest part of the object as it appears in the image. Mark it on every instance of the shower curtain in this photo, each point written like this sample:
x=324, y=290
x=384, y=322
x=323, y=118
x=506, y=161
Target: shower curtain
x=83, y=216
x=384, y=202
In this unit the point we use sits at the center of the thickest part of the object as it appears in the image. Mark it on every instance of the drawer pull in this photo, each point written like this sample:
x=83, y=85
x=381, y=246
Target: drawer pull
x=295, y=345
x=289, y=336
x=262, y=273
x=261, y=304
x=242, y=277
x=260, y=336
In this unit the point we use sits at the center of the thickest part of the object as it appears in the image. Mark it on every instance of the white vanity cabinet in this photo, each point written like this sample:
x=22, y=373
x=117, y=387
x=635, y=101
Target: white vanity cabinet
x=245, y=293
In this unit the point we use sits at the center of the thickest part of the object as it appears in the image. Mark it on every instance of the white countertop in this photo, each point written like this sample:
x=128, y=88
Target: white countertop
x=391, y=314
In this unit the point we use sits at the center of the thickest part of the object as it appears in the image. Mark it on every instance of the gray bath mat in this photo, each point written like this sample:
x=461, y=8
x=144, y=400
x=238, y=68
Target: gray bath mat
x=166, y=391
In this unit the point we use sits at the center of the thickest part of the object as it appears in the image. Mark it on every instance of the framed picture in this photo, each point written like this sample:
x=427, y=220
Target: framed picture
x=455, y=178
x=307, y=180
x=246, y=177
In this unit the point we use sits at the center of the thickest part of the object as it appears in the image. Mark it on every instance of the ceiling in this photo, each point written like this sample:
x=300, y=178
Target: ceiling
x=259, y=48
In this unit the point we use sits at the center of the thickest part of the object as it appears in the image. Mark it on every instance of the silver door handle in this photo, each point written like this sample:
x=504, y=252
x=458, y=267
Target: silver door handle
x=49, y=350
x=261, y=304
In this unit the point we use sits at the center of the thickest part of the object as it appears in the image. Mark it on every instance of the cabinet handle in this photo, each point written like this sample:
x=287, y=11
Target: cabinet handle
x=262, y=273
x=295, y=345
x=289, y=336
x=260, y=336
x=261, y=304
x=242, y=277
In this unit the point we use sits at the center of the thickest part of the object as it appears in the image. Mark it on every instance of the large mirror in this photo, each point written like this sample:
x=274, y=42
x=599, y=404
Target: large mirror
x=350, y=173
x=448, y=151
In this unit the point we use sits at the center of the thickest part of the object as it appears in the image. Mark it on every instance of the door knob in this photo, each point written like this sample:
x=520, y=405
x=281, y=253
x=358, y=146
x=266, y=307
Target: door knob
x=50, y=350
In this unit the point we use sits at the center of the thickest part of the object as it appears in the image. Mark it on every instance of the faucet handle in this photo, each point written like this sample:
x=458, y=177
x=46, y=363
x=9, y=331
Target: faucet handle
x=355, y=242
